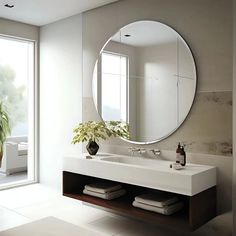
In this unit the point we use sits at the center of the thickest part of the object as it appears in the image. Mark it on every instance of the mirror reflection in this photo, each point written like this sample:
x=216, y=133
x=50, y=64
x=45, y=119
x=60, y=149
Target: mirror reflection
x=145, y=76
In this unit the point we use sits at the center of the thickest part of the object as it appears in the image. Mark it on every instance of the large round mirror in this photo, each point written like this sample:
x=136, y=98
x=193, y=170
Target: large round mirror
x=146, y=76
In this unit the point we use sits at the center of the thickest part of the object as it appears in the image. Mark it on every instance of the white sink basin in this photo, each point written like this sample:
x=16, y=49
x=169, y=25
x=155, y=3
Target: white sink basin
x=150, y=173
x=137, y=161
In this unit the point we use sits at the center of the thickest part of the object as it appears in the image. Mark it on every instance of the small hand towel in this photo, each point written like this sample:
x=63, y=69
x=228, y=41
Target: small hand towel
x=103, y=187
x=158, y=199
x=107, y=196
x=168, y=210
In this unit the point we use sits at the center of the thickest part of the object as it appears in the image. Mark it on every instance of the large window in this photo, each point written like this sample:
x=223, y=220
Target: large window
x=114, y=86
x=17, y=93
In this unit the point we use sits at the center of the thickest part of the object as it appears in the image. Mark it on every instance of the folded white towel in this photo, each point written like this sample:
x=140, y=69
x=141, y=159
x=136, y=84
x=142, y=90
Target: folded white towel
x=103, y=187
x=168, y=210
x=158, y=199
x=108, y=196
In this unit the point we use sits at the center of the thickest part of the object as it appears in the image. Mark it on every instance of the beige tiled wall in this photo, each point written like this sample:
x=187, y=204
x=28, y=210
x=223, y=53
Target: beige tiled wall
x=207, y=28
x=206, y=25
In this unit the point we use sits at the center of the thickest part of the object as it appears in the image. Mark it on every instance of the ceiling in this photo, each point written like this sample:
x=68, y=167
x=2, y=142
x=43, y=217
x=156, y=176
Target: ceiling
x=42, y=12
x=145, y=33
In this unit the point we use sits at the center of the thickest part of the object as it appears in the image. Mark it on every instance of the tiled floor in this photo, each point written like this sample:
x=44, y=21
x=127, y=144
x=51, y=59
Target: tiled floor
x=25, y=204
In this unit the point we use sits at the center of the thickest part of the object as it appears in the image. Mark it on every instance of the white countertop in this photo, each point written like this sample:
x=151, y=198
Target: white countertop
x=151, y=173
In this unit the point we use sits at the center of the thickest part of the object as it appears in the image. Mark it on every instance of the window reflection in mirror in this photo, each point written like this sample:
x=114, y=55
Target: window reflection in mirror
x=114, y=82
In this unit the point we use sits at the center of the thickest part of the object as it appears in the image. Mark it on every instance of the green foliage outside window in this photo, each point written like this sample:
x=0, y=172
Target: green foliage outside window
x=5, y=128
x=12, y=96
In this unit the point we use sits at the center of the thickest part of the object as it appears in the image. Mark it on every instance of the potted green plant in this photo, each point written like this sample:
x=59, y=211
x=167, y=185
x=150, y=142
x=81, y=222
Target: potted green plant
x=5, y=128
x=93, y=131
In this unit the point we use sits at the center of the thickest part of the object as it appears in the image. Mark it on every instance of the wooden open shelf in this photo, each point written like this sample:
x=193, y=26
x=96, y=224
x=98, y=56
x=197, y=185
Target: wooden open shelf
x=198, y=209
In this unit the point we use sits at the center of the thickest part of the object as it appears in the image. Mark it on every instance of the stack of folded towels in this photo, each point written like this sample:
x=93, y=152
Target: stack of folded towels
x=106, y=190
x=160, y=202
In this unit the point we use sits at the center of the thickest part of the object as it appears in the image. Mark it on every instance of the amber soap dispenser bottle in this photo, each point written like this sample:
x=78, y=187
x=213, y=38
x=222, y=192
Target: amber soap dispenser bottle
x=178, y=153
x=182, y=157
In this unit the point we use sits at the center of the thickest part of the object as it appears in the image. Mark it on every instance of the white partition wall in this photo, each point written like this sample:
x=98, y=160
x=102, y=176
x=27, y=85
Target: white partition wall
x=60, y=95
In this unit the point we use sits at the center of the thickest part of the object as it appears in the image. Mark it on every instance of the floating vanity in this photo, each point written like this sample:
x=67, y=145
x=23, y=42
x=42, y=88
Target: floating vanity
x=195, y=185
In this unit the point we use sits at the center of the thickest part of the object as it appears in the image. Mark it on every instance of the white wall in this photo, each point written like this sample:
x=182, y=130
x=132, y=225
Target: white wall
x=60, y=95
x=159, y=66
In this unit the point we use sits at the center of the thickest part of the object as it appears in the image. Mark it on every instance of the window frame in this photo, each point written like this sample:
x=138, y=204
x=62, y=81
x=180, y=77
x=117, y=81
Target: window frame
x=35, y=102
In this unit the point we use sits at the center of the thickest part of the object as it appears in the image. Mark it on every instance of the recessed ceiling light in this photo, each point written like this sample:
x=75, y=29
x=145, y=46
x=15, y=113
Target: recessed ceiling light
x=127, y=35
x=9, y=5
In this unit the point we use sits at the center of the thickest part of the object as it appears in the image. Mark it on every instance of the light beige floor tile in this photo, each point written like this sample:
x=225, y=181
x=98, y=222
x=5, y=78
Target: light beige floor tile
x=64, y=208
x=219, y=226
x=49, y=226
x=27, y=195
x=216, y=227
x=141, y=229
x=123, y=226
x=10, y=219
x=110, y=224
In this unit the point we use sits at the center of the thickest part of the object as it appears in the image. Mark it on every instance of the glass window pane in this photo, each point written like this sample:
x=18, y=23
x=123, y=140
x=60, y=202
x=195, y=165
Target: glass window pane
x=123, y=66
x=16, y=68
x=111, y=97
x=114, y=87
x=110, y=63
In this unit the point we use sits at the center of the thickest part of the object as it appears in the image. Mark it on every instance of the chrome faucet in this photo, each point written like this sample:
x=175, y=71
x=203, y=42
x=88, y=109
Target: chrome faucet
x=156, y=152
x=142, y=150
x=134, y=149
